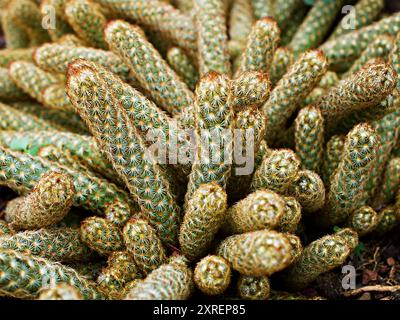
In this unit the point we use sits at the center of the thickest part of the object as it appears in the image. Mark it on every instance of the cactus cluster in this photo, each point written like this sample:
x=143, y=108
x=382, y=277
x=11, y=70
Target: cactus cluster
x=177, y=149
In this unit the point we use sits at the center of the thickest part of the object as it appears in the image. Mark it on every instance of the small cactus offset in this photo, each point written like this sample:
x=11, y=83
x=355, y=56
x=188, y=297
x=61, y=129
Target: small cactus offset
x=253, y=288
x=332, y=156
x=291, y=216
x=388, y=219
x=47, y=204
x=212, y=275
x=363, y=220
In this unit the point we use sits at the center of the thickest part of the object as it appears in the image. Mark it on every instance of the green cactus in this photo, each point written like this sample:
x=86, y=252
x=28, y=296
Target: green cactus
x=47, y=204
x=363, y=220
x=212, y=275
x=24, y=276
x=282, y=60
x=203, y=217
x=87, y=20
x=212, y=36
x=253, y=288
x=291, y=90
x=291, y=217
x=5, y=229
x=350, y=236
x=348, y=182
x=332, y=157
x=394, y=58
x=285, y=10
x=308, y=188
x=101, y=235
x=10, y=55
x=388, y=219
x=62, y=27
x=60, y=291
x=262, y=8
x=171, y=281
x=55, y=97
x=8, y=90
x=260, y=46
x=257, y=253
x=309, y=137
x=182, y=64
x=129, y=42
x=366, y=12
x=390, y=182
x=71, y=40
x=15, y=36
x=329, y=79
x=241, y=19
x=294, y=23
x=262, y=209
x=277, y=170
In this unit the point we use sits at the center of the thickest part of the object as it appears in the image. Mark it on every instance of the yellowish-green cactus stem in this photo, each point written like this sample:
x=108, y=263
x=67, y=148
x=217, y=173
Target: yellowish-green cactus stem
x=263, y=150
x=257, y=253
x=9, y=55
x=347, y=48
x=8, y=90
x=295, y=21
x=309, y=137
x=212, y=36
x=390, y=181
x=364, y=13
x=394, y=57
x=253, y=288
x=130, y=43
x=363, y=220
x=379, y=48
x=101, y=235
x=55, y=57
x=15, y=120
x=144, y=178
x=212, y=275
x=249, y=88
x=313, y=98
x=366, y=88
x=159, y=17
x=47, y=204
x=329, y=79
x=87, y=20
x=71, y=40
x=56, y=244
x=171, y=281
x=21, y=172
x=60, y=291
x=183, y=66
x=24, y=276
x=14, y=35
x=143, y=243
x=241, y=19
x=203, y=217
x=316, y=25
x=31, y=79
x=318, y=257
x=183, y=5
x=277, y=170
x=285, y=10
x=291, y=217
x=27, y=14
x=5, y=229
x=262, y=8
x=302, y=76
x=282, y=60
x=55, y=97
x=388, y=219
x=260, y=46
x=262, y=209
x=214, y=122
x=332, y=157
x=349, y=181
x=308, y=188
x=349, y=235
x=55, y=8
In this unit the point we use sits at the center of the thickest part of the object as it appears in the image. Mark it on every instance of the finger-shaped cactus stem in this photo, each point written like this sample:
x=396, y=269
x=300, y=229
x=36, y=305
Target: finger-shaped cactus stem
x=390, y=182
x=277, y=171
x=332, y=157
x=183, y=66
x=291, y=90
x=241, y=19
x=349, y=181
x=146, y=181
x=203, y=217
x=308, y=188
x=212, y=36
x=309, y=137
x=315, y=25
x=31, y=79
x=212, y=275
x=101, y=235
x=14, y=35
x=394, y=58
x=56, y=244
x=71, y=40
x=363, y=220
x=295, y=22
x=143, y=243
x=253, y=288
x=260, y=46
x=47, y=204
x=282, y=60
x=262, y=8
x=318, y=257
x=388, y=219
x=87, y=20
x=350, y=236
x=214, y=122
x=60, y=291
x=262, y=209
x=9, y=55
x=171, y=281
x=130, y=43
x=291, y=216
x=55, y=97
x=24, y=276
x=257, y=253
x=5, y=229
x=329, y=79
x=54, y=9
x=8, y=90
x=285, y=10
